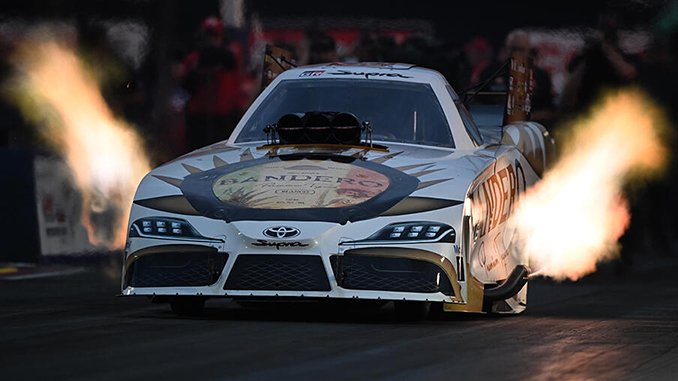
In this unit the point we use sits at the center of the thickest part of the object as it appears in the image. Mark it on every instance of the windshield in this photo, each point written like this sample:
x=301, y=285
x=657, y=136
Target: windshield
x=397, y=111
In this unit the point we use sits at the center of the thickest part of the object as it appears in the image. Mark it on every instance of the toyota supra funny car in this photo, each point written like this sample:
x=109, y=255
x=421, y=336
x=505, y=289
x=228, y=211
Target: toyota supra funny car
x=342, y=181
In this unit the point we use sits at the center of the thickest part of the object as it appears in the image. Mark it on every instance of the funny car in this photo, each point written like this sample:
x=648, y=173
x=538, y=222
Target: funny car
x=342, y=181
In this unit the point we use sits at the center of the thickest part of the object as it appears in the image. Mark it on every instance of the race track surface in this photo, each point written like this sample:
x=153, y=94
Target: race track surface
x=607, y=327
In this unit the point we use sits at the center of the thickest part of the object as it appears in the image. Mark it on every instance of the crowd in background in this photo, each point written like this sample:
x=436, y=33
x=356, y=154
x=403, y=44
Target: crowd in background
x=215, y=80
x=209, y=84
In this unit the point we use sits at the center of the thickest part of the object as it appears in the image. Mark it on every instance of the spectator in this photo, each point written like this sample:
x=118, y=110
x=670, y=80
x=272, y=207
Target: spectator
x=413, y=50
x=543, y=105
x=477, y=56
x=211, y=76
x=323, y=49
x=387, y=49
x=316, y=47
x=448, y=59
x=366, y=48
x=600, y=66
x=174, y=125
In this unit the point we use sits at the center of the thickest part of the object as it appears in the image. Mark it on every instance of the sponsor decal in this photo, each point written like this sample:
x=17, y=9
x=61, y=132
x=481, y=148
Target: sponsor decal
x=481, y=255
x=284, y=185
x=294, y=191
x=498, y=195
x=492, y=264
x=368, y=74
x=286, y=188
x=278, y=245
x=312, y=73
x=282, y=232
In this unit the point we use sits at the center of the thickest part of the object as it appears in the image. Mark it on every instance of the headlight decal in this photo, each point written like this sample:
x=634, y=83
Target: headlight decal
x=166, y=227
x=414, y=231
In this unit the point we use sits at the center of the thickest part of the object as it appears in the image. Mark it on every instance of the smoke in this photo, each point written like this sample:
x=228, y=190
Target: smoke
x=106, y=155
x=574, y=217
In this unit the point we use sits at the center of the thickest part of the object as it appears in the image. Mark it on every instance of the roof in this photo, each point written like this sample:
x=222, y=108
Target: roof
x=369, y=70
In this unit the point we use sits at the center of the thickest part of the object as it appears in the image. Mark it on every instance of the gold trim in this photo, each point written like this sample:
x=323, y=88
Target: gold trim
x=475, y=290
x=361, y=154
x=423, y=255
x=321, y=146
x=474, y=293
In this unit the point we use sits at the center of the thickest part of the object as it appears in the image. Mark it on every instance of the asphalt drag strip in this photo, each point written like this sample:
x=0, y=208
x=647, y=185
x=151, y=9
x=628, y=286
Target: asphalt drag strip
x=73, y=327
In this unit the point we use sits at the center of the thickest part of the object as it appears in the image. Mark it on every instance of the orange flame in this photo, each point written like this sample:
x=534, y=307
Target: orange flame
x=574, y=217
x=105, y=154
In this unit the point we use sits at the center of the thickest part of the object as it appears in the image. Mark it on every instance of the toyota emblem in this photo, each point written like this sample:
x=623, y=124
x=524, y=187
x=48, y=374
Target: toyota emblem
x=281, y=232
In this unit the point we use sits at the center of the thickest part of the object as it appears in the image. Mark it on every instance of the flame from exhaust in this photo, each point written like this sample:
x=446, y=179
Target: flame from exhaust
x=105, y=154
x=573, y=218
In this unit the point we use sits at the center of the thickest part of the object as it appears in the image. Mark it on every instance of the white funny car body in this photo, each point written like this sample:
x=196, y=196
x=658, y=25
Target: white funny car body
x=361, y=181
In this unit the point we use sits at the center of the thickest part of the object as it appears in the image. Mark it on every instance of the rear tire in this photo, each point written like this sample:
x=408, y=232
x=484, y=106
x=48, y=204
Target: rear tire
x=411, y=311
x=187, y=305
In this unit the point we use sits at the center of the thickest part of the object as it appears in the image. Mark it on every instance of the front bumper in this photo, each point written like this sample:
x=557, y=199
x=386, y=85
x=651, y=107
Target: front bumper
x=379, y=273
x=314, y=267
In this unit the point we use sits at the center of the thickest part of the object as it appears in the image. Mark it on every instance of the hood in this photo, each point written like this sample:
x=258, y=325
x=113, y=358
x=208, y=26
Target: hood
x=332, y=184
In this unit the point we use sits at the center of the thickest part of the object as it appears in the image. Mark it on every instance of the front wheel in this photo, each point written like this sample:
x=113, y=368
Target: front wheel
x=187, y=305
x=411, y=311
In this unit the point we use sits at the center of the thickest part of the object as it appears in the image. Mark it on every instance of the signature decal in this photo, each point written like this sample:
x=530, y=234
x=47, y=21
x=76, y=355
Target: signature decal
x=278, y=245
x=368, y=74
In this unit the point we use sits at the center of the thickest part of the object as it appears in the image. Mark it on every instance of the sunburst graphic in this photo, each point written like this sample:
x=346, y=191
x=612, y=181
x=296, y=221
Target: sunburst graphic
x=245, y=197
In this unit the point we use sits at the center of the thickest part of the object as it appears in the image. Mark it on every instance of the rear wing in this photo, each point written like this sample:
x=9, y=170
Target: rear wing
x=276, y=61
x=498, y=108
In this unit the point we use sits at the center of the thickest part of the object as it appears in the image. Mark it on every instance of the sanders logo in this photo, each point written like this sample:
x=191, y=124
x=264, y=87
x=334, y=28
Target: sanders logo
x=282, y=232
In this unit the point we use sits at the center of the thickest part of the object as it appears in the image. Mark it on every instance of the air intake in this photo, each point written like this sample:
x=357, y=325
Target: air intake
x=316, y=127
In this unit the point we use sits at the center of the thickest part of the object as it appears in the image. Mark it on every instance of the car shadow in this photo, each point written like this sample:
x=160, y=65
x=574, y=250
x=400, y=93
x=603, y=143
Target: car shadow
x=313, y=312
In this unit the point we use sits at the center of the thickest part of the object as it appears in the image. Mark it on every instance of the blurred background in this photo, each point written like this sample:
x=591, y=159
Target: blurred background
x=183, y=72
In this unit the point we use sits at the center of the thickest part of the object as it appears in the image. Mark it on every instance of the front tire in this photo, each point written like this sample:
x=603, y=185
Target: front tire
x=187, y=305
x=411, y=311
